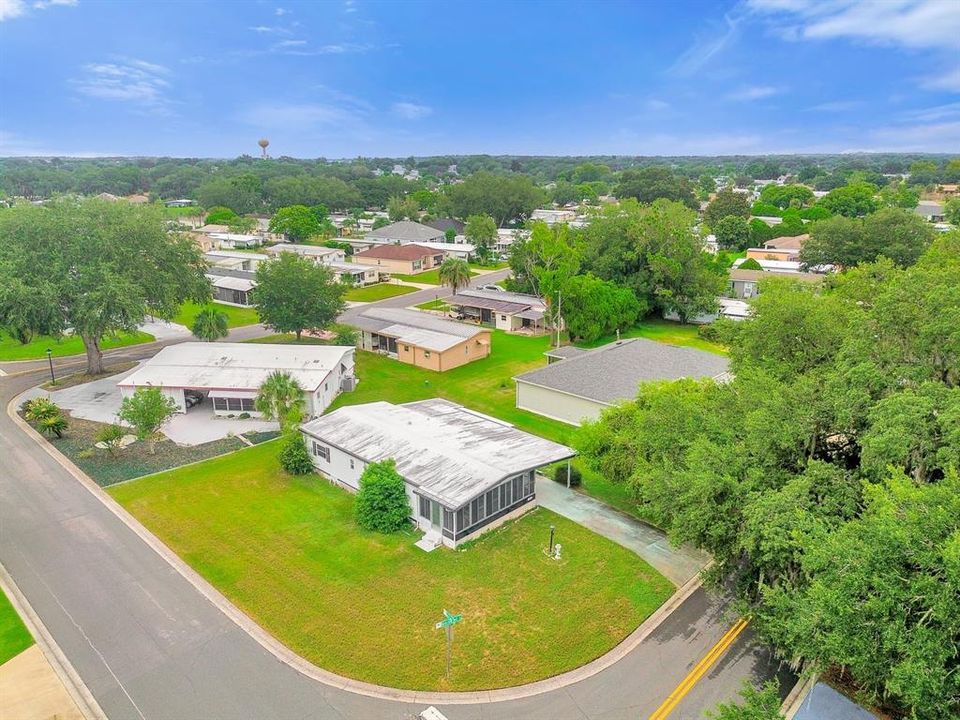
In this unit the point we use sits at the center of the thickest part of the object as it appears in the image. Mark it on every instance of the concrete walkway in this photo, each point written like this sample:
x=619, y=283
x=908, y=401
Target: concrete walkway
x=31, y=690
x=678, y=564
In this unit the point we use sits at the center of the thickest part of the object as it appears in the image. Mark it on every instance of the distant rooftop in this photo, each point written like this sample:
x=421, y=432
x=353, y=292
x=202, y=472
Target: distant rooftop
x=405, y=231
x=418, y=328
x=614, y=372
x=397, y=252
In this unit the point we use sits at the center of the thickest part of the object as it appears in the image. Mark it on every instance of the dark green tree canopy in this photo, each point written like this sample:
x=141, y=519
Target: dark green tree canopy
x=294, y=294
x=505, y=198
x=94, y=266
x=727, y=202
x=655, y=183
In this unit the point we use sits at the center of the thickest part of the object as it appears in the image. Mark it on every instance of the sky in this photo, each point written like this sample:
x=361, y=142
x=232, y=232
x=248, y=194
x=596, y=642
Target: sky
x=350, y=78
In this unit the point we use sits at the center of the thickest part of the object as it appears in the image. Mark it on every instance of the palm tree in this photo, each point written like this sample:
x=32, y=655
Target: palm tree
x=280, y=398
x=455, y=274
x=210, y=324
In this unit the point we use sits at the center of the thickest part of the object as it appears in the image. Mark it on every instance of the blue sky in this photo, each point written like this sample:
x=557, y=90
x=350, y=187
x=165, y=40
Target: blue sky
x=358, y=77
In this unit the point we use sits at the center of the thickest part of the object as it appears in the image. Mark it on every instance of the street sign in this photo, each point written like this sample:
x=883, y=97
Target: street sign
x=449, y=620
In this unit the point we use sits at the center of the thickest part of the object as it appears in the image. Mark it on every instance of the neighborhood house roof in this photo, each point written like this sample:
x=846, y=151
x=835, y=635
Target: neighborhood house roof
x=443, y=224
x=235, y=366
x=405, y=231
x=614, y=372
x=229, y=282
x=786, y=243
x=417, y=328
x=505, y=302
x=565, y=352
x=448, y=452
x=396, y=252
x=311, y=250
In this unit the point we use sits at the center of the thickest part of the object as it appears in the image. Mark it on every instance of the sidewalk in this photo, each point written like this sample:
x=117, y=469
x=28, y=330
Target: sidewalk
x=678, y=564
x=31, y=690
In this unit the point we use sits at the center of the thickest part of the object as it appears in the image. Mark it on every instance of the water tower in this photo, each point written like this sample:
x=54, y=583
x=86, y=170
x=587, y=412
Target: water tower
x=263, y=143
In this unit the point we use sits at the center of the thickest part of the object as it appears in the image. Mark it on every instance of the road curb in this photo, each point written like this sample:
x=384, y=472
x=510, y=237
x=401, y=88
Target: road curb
x=69, y=678
x=308, y=669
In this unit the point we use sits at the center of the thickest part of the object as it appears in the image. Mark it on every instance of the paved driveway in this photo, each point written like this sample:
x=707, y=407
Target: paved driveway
x=678, y=564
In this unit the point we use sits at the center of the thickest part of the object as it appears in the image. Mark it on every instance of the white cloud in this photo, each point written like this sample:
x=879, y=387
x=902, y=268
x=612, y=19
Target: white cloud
x=706, y=47
x=411, y=111
x=930, y=24
x=280, y=12
x=836, y=106
x=933, y=137
x=655, y=105
x=270, y=30
x=290, y=43
x=753, y=92
x=949, y=80
x=291, y=116
x=349, y=7
x=127, y=80
x=950, y=111
x=10, y=9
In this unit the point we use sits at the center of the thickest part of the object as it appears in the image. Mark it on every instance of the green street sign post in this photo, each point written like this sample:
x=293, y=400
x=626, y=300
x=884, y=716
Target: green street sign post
x=449, y=620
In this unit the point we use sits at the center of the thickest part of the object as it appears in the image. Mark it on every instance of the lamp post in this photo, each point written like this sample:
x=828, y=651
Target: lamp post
x=552, y=529
x=53, y=379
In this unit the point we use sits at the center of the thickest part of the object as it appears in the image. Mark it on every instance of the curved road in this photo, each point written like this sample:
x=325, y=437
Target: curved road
x=148, y=644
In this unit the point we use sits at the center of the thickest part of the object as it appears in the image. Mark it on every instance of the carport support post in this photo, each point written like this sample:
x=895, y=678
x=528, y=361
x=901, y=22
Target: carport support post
x=568, y=474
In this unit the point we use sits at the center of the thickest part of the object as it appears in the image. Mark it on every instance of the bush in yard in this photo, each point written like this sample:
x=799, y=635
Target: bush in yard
x=750, y=264
x=382, y=503
x=560, y=475
x=110, y=435
x=762, y=704
x=147, y=410
x=53, y=425
x=40, y=409
x=345, y=335
x=294, y=457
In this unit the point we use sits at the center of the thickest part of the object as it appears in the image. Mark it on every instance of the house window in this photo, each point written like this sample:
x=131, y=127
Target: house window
x=417, y=264
x=351, y=463
x=424, y=507
x=426, y=353
x=326, y=387
x=447, y=520
x=406, y=348
x=233, y=404
x=466, y=349
x=219, y=403
x=321, y=451
x=503, y=318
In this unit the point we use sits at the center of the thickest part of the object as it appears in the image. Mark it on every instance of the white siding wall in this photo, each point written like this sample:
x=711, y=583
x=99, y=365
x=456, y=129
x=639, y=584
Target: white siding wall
x=556, y=405
x=320, y=400
x=175, y=393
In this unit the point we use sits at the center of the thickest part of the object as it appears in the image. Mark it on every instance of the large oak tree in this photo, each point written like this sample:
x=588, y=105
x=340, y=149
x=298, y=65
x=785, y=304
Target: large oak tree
x=94, y=268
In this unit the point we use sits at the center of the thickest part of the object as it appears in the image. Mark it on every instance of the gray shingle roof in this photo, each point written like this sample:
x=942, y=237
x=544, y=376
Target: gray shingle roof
x=614, y=372
x=449, y=452
x=405, y=231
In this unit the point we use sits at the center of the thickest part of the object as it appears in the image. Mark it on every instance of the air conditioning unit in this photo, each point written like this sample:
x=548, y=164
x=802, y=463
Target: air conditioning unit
x=348, y=383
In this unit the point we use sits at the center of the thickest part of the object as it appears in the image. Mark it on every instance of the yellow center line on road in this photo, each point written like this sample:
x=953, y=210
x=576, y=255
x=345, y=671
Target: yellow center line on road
x=699, y=670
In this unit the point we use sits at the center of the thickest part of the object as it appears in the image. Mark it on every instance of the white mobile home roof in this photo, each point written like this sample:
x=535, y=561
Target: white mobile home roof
x=214, y=254
x=237, y=366
x=232, y=283
x=449, y=452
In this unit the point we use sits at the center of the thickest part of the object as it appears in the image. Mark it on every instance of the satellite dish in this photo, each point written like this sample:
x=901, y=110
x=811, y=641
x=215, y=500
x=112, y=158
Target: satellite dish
x=263, y=143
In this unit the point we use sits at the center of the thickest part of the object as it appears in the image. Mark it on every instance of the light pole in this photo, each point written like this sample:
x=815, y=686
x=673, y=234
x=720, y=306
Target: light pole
x=53, y=379
x=552, y=529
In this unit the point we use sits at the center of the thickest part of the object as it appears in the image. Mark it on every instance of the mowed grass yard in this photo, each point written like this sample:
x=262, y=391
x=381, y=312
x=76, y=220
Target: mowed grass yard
x=236, y=316
x=665, y=331
x=380, y=291
x=429, y=277
x=11, y=349
x=14, y=636
x=287, y=551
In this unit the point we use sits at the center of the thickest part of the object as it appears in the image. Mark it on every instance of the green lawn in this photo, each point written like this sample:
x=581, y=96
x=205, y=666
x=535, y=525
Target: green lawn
x=434, y=305
x=236, y=316
x=11, y=349
x=14, y=637
x=288, y=339
x=430, y=277
x=380, y=291
x=287, y=551
x=664, y=331
x=485, y=385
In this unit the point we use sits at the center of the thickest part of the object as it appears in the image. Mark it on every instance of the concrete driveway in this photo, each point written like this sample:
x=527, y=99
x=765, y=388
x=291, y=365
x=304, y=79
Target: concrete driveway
x=100, y=401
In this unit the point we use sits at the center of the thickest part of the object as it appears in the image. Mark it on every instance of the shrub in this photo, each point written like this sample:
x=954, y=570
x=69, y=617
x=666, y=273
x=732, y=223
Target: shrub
x=560, y=475
x=382, y=503
x=40, y=409
x=294, y=457
x=750, y=264
x=243, y=416
x=111, y=435
x=708, y=332
x=53, y=425
x=345, y=335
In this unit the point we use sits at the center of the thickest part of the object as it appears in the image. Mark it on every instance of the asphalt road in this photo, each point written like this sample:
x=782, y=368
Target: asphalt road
x=148, y=644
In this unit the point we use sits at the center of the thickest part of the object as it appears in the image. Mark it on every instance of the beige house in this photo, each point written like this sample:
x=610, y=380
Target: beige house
x=508, y=311
x=421, y=339
x=405, y=259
